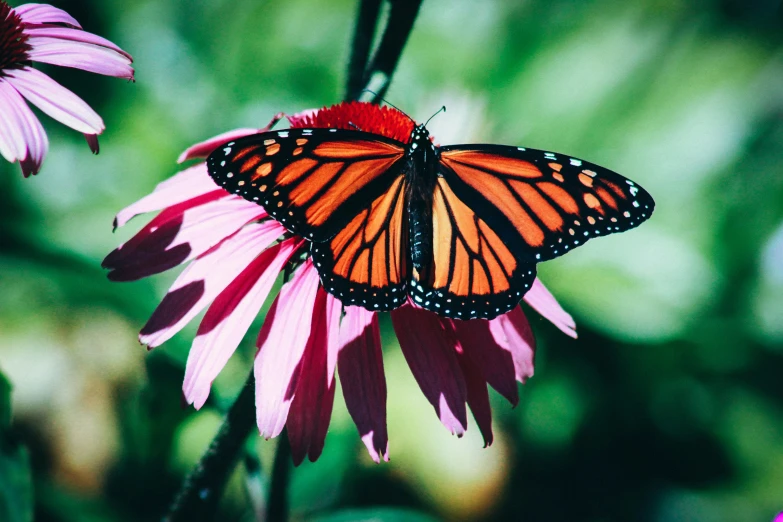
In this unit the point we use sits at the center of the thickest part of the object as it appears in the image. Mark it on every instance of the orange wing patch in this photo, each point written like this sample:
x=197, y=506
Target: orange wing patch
x=482, y=264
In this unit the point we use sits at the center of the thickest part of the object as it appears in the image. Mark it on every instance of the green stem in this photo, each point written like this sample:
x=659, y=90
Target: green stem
x=364, y=32
x=281, y=473
x=395, y=35
x=201, y=491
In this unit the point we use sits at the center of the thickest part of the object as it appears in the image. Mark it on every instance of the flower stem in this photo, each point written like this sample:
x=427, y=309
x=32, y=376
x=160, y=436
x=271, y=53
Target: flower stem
x=201, y=491
x=364, y=32
x=281, y=473
x=395, y=35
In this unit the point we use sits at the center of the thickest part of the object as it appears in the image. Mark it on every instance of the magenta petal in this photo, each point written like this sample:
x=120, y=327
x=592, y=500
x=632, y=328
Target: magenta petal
x=491, y=356
x=92, y=142
x=430, y=350
x=44, y=14
x=360, y=364
x=75, y=35
x=180, y=238
x=205, y=278
x=312, y=391
x=22, y=137
x=205, y=148
x=519, y=341
x=55, y=100
x=301, y=119
x=477, y=396
x=281, y=345
x=229, y=317
x=181, y=187
x=85, y=56
x=545, y=304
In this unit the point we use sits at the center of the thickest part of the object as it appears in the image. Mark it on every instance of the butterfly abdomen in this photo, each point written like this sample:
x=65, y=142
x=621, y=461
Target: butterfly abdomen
x=420, y=176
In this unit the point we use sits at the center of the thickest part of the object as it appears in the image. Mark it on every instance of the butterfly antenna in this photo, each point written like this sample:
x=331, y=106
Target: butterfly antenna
x=389, y=104
x=442, y=109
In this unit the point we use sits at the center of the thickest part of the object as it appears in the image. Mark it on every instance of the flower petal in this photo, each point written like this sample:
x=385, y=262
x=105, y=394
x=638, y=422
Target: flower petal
x=75, y=35
x=360, y=364
x=44, y=14
x=228, y=319
x=281, y=344
x=477, y=396
x=92, y=142
x=181, y=187
x=181, y=236
x=545, y=304
x=491, y=356
x=87, y=57
x=315, y=391
x=429, y=349
x=205, y=278
x=55, y=100
x=519, y=341
x=21, y=135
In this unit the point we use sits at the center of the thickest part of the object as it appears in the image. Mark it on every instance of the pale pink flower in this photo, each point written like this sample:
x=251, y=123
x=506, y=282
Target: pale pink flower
x=42, y=33
x=235, y=254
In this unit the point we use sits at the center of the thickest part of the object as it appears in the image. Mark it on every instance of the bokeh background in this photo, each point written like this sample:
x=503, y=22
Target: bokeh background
x=669, y=406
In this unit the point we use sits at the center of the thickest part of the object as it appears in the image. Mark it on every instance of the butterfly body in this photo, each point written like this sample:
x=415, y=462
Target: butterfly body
x=458, y=229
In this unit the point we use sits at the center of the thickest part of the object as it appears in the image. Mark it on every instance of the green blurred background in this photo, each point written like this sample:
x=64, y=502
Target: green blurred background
x=669, y=406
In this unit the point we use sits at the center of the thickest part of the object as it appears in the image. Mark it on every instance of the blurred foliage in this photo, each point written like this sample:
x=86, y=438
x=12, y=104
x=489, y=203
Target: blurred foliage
x=668, y=407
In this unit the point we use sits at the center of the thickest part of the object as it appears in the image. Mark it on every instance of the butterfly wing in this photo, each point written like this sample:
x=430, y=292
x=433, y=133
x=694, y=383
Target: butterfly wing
x=366, y=262
x=498, y=210
x=342, y=190
x=314, y=181
x=540, y=203
x=473, y=272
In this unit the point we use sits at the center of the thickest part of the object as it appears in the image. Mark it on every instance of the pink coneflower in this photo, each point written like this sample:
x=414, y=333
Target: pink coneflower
x=42, y=33
x=235, y=254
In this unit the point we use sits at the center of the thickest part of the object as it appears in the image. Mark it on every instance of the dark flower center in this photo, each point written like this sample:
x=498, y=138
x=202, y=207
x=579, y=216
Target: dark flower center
x=13, y=41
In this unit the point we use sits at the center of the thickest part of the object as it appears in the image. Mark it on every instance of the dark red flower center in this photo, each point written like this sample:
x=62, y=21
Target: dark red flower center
x=363, y=116
x=13, y=40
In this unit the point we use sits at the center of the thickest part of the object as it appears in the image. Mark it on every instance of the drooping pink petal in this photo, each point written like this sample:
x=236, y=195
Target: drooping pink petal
x=92, y=142
x=281, y=344
x=429, y=349
x=44, y=14
x=229, y=317
x=519, y=341
x=181, y=187
x=181, y=237
x=360, y=364
x=205, y=278
x=75, y=35
x=477, y=395
x=87, y=57
x=312, y=392
x=334, y=312
x=22, y=137
x=55, y=100
x=493, y=358
x=545, y=304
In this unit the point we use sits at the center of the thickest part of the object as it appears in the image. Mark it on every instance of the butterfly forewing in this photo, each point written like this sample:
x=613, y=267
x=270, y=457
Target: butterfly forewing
x=540, y=203
x=473, y=273
x=314, y=181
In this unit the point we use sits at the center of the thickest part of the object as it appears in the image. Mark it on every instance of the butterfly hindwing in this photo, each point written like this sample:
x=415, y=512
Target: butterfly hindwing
x=366, y=263
x=473, y=273
x=314, y=181
x=540, y=203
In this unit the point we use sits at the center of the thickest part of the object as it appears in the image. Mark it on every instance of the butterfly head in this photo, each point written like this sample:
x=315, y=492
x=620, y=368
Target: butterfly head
x=420, y=140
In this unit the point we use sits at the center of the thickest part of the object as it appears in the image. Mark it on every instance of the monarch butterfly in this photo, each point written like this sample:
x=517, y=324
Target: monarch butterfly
x=457, y=228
